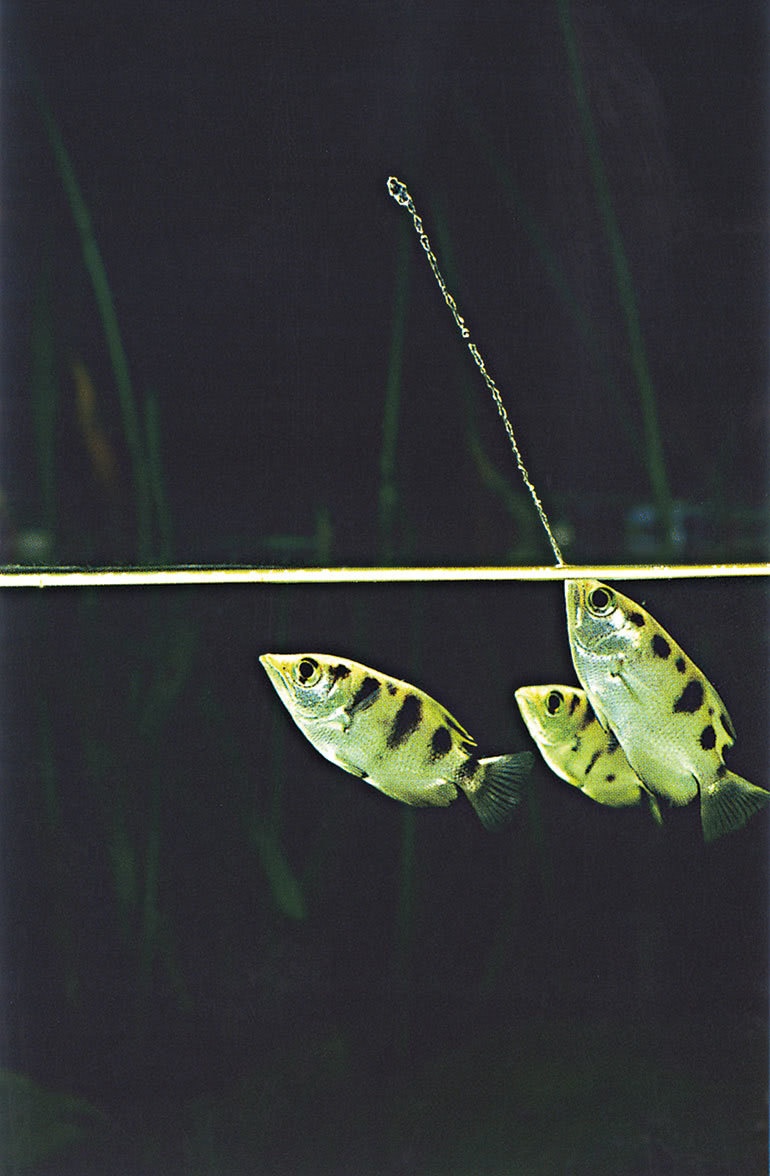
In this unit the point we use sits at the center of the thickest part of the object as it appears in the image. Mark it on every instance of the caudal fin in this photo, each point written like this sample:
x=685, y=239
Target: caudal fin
x=502, y=787
x=728, y=803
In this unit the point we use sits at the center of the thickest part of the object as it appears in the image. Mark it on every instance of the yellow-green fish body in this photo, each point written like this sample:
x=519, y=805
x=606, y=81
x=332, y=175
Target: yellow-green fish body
x=393, y=735
x=668, y=718
x=577, y=748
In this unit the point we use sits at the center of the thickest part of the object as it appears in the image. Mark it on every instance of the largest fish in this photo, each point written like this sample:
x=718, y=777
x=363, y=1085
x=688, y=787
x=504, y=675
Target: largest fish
x=394, y=736
x=667, y=717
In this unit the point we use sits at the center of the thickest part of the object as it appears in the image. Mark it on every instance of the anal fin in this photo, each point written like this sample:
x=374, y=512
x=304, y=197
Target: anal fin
x=652, y=800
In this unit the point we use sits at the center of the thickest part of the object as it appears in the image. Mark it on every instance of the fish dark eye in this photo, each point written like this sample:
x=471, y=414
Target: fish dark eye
x=601, y=601
x=307, y=671
x=553, y=702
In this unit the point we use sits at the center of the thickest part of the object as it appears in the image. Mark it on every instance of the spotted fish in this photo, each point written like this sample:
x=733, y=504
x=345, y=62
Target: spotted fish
x=394, y=736
x=576, y=747
x=669, y=719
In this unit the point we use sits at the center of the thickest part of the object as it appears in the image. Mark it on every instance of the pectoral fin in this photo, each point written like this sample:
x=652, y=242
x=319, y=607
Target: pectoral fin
x=347, y=766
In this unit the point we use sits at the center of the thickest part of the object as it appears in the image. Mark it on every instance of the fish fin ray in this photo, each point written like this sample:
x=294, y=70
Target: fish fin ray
x=347, y=766
x=501, y=788
x=655, y=812
x=458, y=727
x=728, y=804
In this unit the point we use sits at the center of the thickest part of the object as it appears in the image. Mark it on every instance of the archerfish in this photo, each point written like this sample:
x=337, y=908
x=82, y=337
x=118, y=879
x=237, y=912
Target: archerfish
x=577, y=747
x=394, y=736
x=666, y=715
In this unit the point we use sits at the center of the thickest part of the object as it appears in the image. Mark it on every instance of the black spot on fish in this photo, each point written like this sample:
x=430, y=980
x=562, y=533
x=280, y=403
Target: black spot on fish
x=721, y=771
x=440, y=742
x=468, y=768
x=593, y=760
x=636, y=618
x=365, y=695
x=407, y=720
x=392, y=688
x=708, y=738
x=588, y=718
x=681, y=665
x=727, y=725
x=609, y=778
x=340, y=671
x=660, y=647
x=691, y=698
x=575, y=702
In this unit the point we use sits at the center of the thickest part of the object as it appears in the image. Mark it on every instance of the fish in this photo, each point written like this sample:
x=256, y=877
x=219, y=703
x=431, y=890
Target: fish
x=577, y=747
x=394, y=736
x=664, y=712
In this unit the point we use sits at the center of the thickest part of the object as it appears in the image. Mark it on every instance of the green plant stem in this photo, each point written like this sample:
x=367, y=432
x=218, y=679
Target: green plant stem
x=653, y=447
x=155, y=475
x=94, y=264
x=150, y=913
x=524, y=548
x=549, y=260
x=45, y=398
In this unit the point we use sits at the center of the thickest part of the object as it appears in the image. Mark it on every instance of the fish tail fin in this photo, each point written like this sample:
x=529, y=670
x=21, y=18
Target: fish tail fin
x=728, y=803
x=502, y=787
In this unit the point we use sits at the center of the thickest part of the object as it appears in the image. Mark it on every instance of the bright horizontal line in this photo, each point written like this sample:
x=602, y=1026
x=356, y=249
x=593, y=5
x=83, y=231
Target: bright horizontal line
x=15, y=577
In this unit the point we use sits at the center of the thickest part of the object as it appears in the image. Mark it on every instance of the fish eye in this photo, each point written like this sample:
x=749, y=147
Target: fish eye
x=553, y=702
x=601, y=601
x=307, y=671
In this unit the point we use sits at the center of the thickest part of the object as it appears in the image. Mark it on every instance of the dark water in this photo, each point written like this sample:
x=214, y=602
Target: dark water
x=243, y=960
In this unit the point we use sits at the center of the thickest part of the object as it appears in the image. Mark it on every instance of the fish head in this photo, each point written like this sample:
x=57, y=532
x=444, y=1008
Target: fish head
x=551, y=713
x=602, y=623
x=306, y=683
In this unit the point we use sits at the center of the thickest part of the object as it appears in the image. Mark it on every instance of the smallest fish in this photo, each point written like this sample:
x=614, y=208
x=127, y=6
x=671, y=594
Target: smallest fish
x=394, y=736
x=577, y=748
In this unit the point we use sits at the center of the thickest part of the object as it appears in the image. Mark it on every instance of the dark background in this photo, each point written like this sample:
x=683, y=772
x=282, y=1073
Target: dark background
x=224, y=955
x=233, y=161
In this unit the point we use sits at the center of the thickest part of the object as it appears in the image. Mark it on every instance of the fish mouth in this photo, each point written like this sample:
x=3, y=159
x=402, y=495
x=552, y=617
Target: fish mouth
x=272, y=665
x=528, y=711
x=524, y=703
